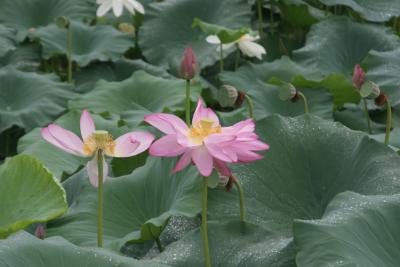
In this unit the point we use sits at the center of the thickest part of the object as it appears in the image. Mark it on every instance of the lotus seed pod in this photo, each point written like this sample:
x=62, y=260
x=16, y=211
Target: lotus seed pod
x=370, y=90
x=228, y=96
x=287, y=91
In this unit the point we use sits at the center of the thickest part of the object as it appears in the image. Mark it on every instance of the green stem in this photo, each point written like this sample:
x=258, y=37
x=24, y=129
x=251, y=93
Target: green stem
x=250, y=106
x=260, y=17
x=204, y=231
x=221, y=58
x=241, y=200
x=7, y=133
x=69, y=41
x=100, y=199
x=187, y=103
x=305, y=102
x=159, y=245
x=237, y=60
x=367, y=116
x=388, y=122
x=271, y=17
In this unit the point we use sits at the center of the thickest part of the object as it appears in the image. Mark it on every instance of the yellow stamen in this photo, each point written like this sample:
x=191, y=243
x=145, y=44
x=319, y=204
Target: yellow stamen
x=202, y=129
x=99, y=140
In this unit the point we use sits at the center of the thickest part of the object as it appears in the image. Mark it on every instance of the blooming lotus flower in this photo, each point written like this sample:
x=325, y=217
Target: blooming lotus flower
x=358, y=78
x=127, y=145
x=117, y=6
x=206, y=143
x=245, y=43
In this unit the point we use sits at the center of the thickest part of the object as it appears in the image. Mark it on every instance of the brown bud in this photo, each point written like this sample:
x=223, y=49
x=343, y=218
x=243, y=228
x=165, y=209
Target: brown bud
x=230, y=183
x=296, y=97
x=189, y=65
x=240, y=99
x=381, y=100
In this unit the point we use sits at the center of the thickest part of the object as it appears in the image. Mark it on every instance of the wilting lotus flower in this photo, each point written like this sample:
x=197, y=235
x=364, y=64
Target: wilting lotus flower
x=127, y=145
x=117, y=6
x=245, y=43
x=358, y=78
x=205, y=143
x=188, y=68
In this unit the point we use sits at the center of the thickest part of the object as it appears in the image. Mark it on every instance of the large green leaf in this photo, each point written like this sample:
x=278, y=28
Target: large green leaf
x=7, y=40
x=56, y=160
x=25, y=250
x=310, y=161
x=25, y=57
x=299, y=13
x=88, y=42
x=337, y=44
x=137, y=96
x=28, y=193
x=29, y=15
x=224, y=34
x=136, y=207
x=355, y=230
x=167, y=28
x=378, y=11
x=30, y=100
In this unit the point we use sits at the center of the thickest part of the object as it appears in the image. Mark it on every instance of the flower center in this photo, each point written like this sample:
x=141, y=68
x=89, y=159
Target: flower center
x=201, y=130
x=99, y=140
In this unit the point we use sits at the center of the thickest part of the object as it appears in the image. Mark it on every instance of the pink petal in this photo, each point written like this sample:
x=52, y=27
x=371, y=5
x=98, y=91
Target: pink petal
x=67, y=139
x=166, y=146
x=167, y=123
x=49, y=138
x=92, y=170
x=183, y=161
x=132, y=143
x=204, y=113
x=87, y=125
x=252, y=145
x=222, y=168
x=248, y=156
x=203, y=161
x=218, y=152
x=246, y=126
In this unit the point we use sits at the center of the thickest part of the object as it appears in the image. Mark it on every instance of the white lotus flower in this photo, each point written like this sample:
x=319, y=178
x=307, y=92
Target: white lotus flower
x=245, y=43
x=117, y=6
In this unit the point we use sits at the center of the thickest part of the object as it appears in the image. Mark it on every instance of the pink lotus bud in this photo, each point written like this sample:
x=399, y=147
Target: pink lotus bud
x=358, y=76
x=40, y=232
x=189, y=64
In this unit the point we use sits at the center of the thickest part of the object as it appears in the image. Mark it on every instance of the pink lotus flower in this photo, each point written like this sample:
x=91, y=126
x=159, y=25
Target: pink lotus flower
x=358, y=76
x=206, y=143
x=127, y=145
x=189, y=67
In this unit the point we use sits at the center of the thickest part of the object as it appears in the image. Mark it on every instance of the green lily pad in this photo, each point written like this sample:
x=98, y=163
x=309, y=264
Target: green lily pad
x=137, y=96
x=377, y=11
x=337, y=44
x=25, y=250
x=225, y=35
x=7, y=40
x=30, y=15
x=60, y=163
x=167, y=30
x=355, y=230
x=29, y=100
x=88, y=42
x=29, y=193
x=25, y=57
x=299, y=13
x=136, y=207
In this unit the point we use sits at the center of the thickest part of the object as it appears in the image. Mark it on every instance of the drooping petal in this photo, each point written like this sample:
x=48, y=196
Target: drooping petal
x=136, y=5
x=222, y=168
x=256, y=145
x=183, y=161
x=104, y=8
x=49, y=138
x=246, y=156
x=92, y=171
x=252, y=49
x=204, y=113
x=245, y=126
x=132, y=143
x=87, y=125
x=203, y=161
x=213, y=39
x=167, y=123
x=117, y=7
x=67, y=139
x=166, y=146
x=228, y=46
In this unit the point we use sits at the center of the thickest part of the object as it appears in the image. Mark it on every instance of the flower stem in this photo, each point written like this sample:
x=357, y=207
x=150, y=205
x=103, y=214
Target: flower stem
x=69, y=55
x=250, y=106
x=305, y=102
x=159, y=245
x=367, y=116
x=260, y=16
x=187, y=103
x=221, y=58
x=204, y=231
x=241, y=200
x=100, y=199
x=388, y=122
x=237, y=60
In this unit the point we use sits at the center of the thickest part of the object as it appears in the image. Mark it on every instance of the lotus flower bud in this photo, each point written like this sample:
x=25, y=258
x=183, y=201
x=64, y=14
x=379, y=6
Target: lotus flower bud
x=370, y=90
x=358, y=76
x=381, y=100
x=228, y=96
x=287, y=91
x=188, y=65
x=40, y=232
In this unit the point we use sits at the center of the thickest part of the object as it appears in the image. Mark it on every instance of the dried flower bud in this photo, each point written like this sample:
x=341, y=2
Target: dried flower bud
x=287, y=91
x=381, y=100
x=228, y=96
x=230, y=183
x=358, y=76
x=188, y=65
x=370, y=90
x=40, y=232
